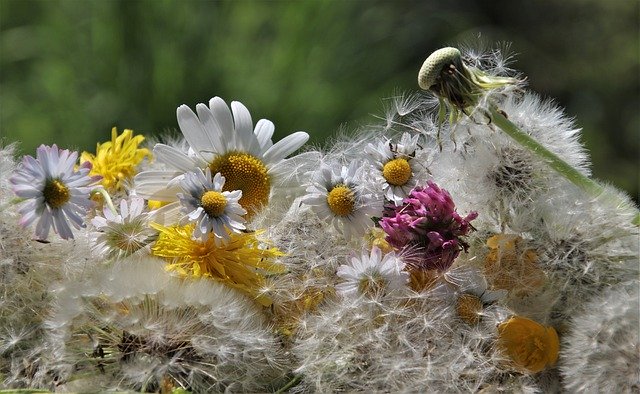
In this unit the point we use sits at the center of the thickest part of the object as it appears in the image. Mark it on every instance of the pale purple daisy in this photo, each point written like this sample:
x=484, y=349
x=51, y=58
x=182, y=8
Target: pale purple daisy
x=54, y=192
x=213, y=210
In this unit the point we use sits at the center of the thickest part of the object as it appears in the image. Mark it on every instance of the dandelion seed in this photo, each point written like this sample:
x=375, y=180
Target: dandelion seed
x=55, y=193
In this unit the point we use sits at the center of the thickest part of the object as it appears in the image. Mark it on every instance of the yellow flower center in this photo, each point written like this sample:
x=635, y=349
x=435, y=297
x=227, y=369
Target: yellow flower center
x=56, y=193
x=341, y=200
x=244, y=172
x=469, y=307
x=213, y=203
x=397, y=172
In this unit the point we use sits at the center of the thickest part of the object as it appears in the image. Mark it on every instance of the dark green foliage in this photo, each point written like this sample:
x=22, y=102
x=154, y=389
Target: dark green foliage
x=72, y=69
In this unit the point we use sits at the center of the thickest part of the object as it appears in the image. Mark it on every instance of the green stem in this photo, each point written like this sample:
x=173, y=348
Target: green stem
x=107, y=198
x=555, y=162
x=296, y=379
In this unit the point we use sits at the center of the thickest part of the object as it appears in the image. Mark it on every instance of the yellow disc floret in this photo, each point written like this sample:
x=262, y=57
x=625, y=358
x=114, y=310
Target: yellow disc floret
x=116, y=160
x=247, y=173
x=55, y=193
x=341, y=200
x=213, y=203
x=397, y=172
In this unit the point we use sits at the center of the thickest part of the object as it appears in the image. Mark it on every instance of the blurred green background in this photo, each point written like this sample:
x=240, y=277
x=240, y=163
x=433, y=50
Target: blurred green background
x=72, y=69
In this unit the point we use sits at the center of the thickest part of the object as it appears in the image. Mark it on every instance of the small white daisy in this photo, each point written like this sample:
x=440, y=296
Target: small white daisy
x=225, y=141
x=372, y=274
x=55, y=193
x=336, y=195
x=398, y=166
x=209, y=207
x=120, y=235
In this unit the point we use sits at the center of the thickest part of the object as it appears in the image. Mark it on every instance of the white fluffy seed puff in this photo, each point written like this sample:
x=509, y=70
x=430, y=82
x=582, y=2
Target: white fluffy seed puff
x=215, y=212
x=372, y=274
x=132, y=326
x=225, y=141
x=401, y=166
x=337, y=195
x=601, y=352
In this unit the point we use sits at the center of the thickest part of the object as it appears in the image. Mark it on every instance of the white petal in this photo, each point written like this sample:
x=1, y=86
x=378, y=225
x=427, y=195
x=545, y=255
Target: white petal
x=244, y=136
x=193, y=131
x=212, y=129
x=264, y=131
x=167, y=215
x=152, y=185
x=222, y=116
x=61, y=225
x=44, y=224
x=285, y=147
x=174, y=158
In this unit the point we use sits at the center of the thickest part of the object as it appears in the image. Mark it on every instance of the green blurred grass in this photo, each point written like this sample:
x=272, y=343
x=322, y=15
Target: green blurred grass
x=72, y=69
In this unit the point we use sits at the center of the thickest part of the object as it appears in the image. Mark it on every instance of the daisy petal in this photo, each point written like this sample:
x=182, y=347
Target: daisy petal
x=285, y=147
x=193, y=131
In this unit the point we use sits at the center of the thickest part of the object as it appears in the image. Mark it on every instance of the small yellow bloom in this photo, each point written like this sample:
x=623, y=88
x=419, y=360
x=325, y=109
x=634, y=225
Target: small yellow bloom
x=530, y=345
x=241, y=263
x=155, y=204
x=509, y=265
x=116, y=160
x=376, y=237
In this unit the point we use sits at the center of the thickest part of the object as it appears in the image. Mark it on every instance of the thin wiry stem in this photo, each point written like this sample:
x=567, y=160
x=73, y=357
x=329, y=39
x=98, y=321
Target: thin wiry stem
x=555, y=162
x=296, y=379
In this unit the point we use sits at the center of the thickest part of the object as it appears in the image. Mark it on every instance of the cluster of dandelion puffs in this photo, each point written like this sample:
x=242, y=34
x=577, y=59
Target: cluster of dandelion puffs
x=424, y=253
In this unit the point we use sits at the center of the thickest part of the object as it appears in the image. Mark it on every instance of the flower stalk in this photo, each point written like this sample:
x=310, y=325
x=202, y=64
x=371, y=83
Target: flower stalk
x=459, y=89
x=560, y=166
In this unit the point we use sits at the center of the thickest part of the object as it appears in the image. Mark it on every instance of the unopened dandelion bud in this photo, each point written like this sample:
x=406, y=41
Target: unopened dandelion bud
x=445, y=74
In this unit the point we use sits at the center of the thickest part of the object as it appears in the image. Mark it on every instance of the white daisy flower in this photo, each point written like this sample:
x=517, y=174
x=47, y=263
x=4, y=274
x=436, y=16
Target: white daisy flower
x=398, y=166
x=336, y=195
x=211, y=208
x=122, y=234
x=372, y=274
x=225, y=141
x=55, y=193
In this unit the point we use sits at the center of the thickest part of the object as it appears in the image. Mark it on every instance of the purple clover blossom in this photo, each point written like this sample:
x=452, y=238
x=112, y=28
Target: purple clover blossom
x=427, y=228
x=53, y=192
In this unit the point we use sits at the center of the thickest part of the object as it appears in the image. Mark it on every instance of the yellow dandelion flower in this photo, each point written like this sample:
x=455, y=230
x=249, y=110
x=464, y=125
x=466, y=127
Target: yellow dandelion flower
x=242, y=263
x=116, y=160
x=530, y=345
x=511, y=266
